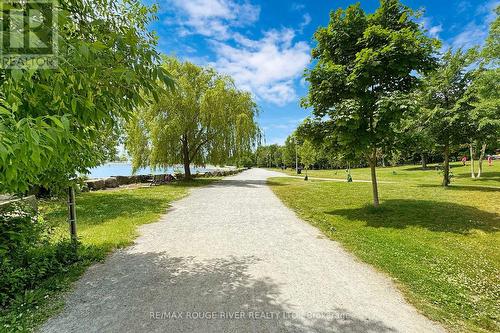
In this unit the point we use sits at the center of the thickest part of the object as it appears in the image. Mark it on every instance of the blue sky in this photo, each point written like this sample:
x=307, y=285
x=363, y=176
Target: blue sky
x=265, y=45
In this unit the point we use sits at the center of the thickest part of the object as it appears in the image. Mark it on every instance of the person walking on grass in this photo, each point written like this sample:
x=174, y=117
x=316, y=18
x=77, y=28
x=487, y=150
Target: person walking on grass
x=490, y=160
x=464, y=160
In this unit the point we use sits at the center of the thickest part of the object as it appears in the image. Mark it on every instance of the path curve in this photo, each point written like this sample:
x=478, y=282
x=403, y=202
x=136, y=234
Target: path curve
x=233, y=250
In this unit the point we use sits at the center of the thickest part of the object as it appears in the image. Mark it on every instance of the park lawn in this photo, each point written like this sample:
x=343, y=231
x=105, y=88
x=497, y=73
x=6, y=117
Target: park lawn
x=106, y=220
x=415, y=174
x=440, y=246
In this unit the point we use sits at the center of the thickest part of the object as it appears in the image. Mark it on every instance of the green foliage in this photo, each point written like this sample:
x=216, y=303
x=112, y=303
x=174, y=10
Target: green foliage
x=491, y=51
x=366, y=66
x=485, y=90
x=27, y=255
x=289, y=151
x=204, y=120
x=55, y=123
x=446, y=107
x=307, y=154
x=365, y=62
x=269, y=156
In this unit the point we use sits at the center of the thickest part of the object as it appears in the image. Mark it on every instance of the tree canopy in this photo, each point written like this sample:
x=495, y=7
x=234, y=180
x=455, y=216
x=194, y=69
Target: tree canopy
x=365, y=67
x=205, y=119
x=55, y=123
x=445, y=105
x=307, y=154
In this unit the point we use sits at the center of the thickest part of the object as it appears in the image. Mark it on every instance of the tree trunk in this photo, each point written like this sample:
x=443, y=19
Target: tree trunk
x=446, y=166
x=472, y=171
x=481, y=157
x=423, y=161
x=187, y=161
x=372, y=160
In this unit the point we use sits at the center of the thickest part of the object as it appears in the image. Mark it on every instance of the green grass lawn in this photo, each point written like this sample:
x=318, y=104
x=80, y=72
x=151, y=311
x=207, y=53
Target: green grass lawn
x=441, y=246
x=415, y=174
x=106, y=220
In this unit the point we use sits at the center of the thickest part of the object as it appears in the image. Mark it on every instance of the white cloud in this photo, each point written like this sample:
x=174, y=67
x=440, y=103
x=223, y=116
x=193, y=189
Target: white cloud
x=471, y=36
x=267, y=67
x=211, y=18
x=306, y=20
x=463, y=5
x=435, y=30
x=432, y=30
x=297, y=6
x=475, y=32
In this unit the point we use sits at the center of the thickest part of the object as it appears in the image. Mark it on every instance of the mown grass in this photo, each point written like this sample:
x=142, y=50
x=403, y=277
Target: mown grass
x=441, y=246
x=416, y=175
x=106, y=220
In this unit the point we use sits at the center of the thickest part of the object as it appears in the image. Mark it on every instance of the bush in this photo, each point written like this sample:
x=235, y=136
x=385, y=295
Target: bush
x=28, y=256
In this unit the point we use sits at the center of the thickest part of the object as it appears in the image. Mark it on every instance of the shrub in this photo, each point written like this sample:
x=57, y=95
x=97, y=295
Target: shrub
x=28, y=256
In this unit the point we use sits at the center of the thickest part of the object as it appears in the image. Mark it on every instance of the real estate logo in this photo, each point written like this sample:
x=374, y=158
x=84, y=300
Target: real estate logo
x=28, y=34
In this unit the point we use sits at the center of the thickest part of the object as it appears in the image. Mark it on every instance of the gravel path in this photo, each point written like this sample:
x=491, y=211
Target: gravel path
x=232, y=258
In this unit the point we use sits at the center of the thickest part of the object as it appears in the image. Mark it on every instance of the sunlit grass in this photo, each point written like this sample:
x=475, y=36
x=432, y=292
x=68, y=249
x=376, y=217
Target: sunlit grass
x=441, y=246
x=415, y=174
x=109, y=219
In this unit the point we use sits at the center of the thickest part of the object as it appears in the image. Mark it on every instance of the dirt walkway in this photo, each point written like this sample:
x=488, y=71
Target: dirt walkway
x=232, y=258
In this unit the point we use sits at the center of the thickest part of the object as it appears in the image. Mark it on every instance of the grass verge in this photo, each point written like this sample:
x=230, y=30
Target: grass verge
x=461, y=175
x=106, y=220
x=441, y=246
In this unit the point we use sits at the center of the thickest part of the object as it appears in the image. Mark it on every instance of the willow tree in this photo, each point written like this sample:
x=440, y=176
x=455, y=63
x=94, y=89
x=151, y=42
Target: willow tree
x=364, y=67
x=205, y=119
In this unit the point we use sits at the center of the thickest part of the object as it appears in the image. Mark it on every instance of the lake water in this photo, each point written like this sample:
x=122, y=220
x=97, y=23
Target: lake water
x=125, y=169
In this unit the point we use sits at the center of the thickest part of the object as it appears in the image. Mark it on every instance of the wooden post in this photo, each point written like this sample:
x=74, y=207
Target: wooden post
x=72, y=213
x=296, y=157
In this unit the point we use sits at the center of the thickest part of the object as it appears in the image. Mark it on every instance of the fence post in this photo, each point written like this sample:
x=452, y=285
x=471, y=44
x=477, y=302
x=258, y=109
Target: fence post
x=72, y=213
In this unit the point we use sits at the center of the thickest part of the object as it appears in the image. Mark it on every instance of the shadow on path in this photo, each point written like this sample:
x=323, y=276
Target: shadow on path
x=152, y=292
x=245, y=183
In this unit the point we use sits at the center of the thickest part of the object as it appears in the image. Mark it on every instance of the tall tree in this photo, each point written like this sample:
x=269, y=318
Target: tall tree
x=55, y=122
x=290, y=150
x=446, y=106
x=486, y=90
x=204, y=120
x=307, y=155
x=365, y=64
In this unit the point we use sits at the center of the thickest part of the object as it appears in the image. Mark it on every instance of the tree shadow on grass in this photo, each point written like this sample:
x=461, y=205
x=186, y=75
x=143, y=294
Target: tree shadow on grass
x=485, y=176
x=416, y=168
x=154, y=292
x=431, y=215
x=452, y=187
